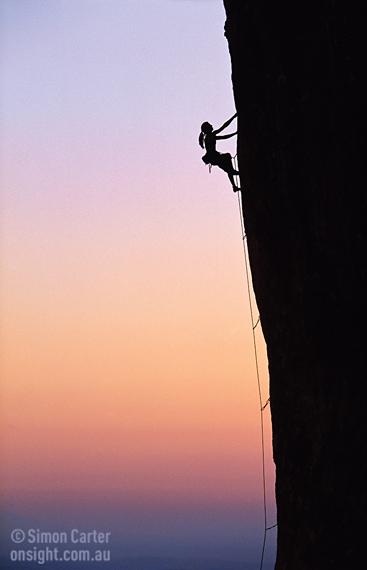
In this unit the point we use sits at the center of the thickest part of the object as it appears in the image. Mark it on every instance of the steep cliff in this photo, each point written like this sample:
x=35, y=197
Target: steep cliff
x=298, y=71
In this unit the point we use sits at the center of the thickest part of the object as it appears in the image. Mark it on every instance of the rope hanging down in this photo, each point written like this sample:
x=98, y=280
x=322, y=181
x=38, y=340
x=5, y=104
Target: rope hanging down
x=262, y=406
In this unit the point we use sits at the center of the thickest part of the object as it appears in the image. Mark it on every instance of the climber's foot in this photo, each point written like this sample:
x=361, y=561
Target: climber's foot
x=236, y=189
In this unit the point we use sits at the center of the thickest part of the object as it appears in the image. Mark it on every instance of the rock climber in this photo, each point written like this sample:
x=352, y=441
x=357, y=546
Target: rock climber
x=207, y=139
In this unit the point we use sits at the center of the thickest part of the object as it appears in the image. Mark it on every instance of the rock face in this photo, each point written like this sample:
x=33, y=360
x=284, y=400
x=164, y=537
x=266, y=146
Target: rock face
x=298, y=71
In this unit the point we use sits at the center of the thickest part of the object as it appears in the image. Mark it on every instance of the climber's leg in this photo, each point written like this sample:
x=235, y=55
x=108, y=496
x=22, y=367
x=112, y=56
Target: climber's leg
x=234, y=187
x=225, y=164
x=224, y=161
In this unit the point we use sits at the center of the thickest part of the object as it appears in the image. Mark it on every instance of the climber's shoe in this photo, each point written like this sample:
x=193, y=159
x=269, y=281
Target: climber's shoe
x=236, y=189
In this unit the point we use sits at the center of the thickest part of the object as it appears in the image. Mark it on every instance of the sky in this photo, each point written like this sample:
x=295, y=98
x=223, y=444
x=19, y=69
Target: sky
x=128, y=395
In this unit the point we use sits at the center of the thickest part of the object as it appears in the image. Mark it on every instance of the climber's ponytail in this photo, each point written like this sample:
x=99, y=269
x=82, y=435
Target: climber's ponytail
x=201, y=139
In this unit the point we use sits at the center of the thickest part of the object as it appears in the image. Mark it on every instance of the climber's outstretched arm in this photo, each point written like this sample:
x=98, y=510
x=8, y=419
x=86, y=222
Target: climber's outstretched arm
x=226, y=136
x=225, y=125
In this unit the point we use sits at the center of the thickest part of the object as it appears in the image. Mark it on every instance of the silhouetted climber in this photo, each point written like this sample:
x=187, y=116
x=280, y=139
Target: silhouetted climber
x=207, y=140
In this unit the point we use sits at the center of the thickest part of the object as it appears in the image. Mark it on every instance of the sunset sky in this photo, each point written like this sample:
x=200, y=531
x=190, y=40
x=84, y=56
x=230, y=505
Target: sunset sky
x=128, y=394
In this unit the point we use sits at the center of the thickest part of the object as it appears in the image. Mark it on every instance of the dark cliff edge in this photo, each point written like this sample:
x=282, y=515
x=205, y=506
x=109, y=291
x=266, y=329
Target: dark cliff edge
x=298, y=78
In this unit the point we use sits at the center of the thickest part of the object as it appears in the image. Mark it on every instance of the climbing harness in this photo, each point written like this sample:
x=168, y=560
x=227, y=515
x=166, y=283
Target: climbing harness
x=253, y=326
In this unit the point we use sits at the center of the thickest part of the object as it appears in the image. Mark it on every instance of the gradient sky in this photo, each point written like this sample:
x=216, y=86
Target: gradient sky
x=128, y=393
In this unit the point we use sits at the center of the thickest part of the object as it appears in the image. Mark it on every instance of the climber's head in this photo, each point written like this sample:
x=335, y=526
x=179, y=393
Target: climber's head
x=206, y=128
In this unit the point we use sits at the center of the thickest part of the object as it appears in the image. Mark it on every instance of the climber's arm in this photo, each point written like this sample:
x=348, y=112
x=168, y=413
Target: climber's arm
x=226, y=136
x=225, y=125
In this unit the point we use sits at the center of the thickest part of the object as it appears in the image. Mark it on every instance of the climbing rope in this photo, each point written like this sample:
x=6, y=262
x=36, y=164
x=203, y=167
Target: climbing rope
x=257, y=322
x=253, y=326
